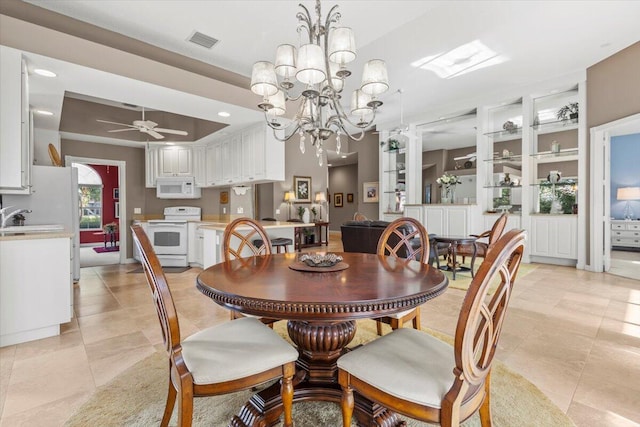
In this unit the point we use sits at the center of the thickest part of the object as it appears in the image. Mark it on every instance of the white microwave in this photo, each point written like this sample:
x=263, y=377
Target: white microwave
x=178, y=187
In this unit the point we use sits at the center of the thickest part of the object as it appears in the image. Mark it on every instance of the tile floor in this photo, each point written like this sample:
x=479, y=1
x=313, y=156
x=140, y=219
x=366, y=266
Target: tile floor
x=574, y=334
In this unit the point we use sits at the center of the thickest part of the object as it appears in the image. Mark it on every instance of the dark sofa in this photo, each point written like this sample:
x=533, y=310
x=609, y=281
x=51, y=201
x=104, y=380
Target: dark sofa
x=363, y=236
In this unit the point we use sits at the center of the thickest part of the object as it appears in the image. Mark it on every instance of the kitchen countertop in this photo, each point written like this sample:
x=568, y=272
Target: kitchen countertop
x=33, y=235
x=220, y=226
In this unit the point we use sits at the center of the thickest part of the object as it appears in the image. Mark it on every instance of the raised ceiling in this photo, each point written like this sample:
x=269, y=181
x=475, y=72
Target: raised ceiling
x=541, y=40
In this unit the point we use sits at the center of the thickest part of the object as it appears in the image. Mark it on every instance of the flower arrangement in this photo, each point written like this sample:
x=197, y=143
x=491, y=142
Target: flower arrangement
x=447, y=180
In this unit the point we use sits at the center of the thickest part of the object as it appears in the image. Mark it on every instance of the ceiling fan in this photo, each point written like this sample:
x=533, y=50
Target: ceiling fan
x=145, y=126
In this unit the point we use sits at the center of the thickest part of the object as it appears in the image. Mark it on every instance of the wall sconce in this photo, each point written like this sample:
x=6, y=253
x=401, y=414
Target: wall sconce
x=289, y=197
x=628, y=193
x=321, y=198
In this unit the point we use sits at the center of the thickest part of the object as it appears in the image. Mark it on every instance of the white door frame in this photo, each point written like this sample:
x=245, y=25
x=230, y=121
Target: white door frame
x=122, y=188
x=600, y=192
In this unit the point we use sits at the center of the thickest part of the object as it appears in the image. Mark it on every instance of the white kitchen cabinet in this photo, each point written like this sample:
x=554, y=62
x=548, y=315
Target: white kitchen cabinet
x=513, y=221
x=195, y=243
x=213, y=167
x=554, y=236
x=16, y=148
x=151, y=166
x=34, y=301
x=251, y=156
x=200, y=165
x=446, y=220
x=175, y=160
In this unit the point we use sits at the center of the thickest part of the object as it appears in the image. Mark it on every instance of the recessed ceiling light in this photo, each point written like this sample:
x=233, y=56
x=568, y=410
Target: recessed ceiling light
x=224, y=114
x=343, y=156
x=329, y=164
x=44, y=112
x=461, y=60
x=43, y=72
x=170, y=143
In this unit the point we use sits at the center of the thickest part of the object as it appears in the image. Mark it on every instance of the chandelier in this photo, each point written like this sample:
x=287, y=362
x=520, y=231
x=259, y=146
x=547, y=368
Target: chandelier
x=319, y=65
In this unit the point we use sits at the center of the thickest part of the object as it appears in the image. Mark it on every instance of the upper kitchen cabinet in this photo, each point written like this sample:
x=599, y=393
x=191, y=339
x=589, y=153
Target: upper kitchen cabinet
x=253, y=155
x=175, y=160
x=16, y=148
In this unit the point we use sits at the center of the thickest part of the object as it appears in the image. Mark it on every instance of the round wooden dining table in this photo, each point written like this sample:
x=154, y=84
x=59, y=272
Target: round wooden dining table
x=321, y=308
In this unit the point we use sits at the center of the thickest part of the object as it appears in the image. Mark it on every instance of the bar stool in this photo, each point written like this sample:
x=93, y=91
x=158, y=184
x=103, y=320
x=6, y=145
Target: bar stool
x=277, y=243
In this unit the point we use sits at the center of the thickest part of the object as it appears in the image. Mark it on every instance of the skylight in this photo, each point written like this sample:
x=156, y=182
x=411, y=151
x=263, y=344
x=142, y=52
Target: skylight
x=461, y=60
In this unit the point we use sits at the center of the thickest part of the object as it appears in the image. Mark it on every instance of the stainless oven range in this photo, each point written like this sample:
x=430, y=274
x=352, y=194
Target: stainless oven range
x=169, y=235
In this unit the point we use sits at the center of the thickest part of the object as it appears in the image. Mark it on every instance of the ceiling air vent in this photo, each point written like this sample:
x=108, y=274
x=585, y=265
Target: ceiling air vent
x=202, y=40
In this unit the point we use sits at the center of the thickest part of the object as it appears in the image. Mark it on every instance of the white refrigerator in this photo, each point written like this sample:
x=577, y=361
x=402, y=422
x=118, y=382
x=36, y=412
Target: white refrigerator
x=54, y=200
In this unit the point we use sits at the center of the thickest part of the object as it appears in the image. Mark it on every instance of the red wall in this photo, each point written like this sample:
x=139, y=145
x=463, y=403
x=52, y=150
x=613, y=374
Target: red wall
x=109, y=175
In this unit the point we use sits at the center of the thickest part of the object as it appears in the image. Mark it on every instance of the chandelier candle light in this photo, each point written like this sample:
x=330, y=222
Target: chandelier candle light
x=319, y=65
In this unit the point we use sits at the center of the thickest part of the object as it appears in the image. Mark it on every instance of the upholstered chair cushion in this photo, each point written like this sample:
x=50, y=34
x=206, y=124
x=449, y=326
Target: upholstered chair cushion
x=422, y=374
x=221, y=353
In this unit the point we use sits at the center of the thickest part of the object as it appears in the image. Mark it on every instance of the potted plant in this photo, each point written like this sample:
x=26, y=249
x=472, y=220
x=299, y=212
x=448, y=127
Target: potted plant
x=314, y=212
x=393, y=144
x=300, y=212
x=568, y=112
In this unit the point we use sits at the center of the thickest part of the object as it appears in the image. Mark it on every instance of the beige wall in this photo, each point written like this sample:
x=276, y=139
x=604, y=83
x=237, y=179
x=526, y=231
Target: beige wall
x=368, y=170
x=613, y=92
x=343, y=179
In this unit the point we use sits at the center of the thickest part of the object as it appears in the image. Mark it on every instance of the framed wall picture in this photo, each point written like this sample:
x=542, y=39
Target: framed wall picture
x=349, y=197
x=337, y=200
x=116, y=193
x=370, y=192
x=117, y=210
x=302, y=188
x=224, y=197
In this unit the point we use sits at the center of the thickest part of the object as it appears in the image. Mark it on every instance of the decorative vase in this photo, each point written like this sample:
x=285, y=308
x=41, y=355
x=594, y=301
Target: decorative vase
x=306, y=216
x=448, y=194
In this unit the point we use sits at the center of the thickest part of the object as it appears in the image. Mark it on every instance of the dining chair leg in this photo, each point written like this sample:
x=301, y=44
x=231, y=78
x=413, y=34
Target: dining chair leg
x=346, y=404
x=287, y=395
x=185, y=409
x=168, y=407
x=416, y=319
x=485, y=409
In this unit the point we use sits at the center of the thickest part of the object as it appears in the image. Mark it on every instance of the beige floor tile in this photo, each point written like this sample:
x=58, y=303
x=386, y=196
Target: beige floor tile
x=615, y=363
x=595, y=392
x=47, y=378
x=53, y=414
x=49, y=345
x=586, y=416
x=107, y=368
x=107, y=325
x=116, y=345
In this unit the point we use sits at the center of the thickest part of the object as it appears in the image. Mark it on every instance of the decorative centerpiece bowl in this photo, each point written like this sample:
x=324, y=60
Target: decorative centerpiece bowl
x=317, y=260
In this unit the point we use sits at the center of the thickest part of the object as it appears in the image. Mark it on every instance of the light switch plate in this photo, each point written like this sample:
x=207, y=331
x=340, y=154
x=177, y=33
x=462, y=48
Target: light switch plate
x=137, y=211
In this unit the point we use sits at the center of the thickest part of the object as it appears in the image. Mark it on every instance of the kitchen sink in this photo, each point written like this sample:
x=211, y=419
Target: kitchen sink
x=32, y=228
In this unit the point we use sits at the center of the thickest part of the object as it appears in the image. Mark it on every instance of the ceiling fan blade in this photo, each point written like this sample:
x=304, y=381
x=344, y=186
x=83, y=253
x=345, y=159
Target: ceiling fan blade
x=115, y=123
x=121, y=130
x=171, y=131
x=153, y=133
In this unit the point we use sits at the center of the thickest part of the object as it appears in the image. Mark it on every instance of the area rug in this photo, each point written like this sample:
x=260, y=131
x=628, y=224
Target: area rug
x=165, y=269
x=463, y=278
x=137, y=398
x=102, y=249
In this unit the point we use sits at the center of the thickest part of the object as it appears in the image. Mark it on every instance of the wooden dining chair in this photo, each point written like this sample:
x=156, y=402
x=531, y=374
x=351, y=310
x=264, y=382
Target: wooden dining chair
x=482, y=248
x=403, y=238
x=429, y=380
x=238, y=243
x=222, y=359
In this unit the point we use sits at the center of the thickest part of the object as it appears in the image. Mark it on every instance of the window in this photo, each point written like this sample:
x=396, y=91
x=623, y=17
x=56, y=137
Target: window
x=90, y=197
